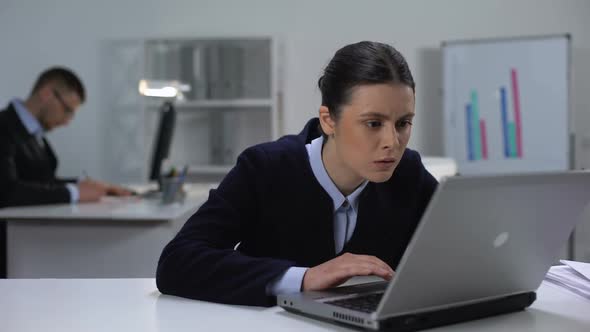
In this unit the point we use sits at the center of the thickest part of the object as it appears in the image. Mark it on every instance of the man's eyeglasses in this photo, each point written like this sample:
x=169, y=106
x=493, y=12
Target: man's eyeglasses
x=68, y=110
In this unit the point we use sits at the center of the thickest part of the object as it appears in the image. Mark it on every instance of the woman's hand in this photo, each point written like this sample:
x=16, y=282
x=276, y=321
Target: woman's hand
x=338, y=270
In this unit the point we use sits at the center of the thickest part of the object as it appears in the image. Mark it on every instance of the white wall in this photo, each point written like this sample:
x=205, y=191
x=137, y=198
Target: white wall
x=37, y=34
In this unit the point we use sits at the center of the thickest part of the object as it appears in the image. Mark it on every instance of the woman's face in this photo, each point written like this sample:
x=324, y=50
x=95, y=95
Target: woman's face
x=372, y=131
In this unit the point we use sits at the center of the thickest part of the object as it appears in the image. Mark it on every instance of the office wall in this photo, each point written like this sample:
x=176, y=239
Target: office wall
x=36, y=34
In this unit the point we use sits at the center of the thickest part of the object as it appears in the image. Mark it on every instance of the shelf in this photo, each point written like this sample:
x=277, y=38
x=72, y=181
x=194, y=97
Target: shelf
x=235, y=101
x=216, y=103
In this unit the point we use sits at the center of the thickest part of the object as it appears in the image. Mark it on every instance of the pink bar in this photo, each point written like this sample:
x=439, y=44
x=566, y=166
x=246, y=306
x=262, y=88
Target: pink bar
x=517, y=121
x=484, y=140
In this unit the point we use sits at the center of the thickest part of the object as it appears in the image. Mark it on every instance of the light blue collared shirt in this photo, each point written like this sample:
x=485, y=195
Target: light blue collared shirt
x=27, y=119
x=34, y=128
x=345, y=215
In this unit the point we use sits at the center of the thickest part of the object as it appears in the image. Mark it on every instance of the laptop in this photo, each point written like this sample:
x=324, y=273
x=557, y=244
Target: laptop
x=482, y=248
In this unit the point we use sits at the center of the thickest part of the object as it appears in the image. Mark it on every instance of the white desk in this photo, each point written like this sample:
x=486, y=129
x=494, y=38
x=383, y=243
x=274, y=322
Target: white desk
x=135, y=305
x=115, y=238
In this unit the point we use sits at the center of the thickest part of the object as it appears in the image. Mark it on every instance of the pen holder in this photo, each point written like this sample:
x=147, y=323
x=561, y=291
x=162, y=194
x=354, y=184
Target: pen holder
x=171, y=188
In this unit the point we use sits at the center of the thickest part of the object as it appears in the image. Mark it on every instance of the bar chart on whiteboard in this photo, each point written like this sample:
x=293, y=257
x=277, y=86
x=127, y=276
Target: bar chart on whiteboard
x=506, y=105
x=511, y=124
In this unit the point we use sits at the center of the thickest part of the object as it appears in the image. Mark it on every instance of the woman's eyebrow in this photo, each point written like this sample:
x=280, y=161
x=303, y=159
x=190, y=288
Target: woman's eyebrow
x=374, y=115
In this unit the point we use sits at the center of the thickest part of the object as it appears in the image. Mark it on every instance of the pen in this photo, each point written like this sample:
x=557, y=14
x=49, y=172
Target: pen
x=183, y=174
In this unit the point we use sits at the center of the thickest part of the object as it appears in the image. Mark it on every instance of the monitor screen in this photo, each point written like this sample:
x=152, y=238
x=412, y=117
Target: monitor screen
x=163, y=139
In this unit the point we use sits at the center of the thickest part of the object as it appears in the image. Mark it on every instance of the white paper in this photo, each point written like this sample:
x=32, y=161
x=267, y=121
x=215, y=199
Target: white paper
x=580, y=267
x=568, y=278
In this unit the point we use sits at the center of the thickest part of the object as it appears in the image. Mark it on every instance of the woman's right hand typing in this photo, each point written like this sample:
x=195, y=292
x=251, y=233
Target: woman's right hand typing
x=338, y=270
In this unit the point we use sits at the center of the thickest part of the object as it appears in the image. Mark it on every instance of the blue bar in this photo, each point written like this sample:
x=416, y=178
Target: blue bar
x=505, y=131
x=468, y=122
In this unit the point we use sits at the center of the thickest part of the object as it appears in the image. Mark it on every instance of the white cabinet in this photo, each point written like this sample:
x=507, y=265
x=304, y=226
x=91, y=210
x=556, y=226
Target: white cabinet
x=234, y=102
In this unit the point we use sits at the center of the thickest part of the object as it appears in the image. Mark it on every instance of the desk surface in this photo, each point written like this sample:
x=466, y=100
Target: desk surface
x=113, y=208
x=135, y=305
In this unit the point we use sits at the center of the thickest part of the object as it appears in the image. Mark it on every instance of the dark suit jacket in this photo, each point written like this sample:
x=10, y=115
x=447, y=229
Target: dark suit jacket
x=273, y=205
x=27, y=168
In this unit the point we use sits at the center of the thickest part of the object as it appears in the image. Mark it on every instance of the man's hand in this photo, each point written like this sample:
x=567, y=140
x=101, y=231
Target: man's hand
x=90, y=191
x=110, y=189
x=338, y=270
x=114, y=190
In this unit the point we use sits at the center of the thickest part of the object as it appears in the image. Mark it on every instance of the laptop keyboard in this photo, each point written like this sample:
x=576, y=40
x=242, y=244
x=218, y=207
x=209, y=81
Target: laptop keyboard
x=365, y=303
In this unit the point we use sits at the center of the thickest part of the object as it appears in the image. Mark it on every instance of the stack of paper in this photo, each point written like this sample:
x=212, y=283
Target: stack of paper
x=573, y=276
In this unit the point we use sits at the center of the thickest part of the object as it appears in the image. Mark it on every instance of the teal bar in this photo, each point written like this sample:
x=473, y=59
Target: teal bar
x=475, y=125
x=512, y=139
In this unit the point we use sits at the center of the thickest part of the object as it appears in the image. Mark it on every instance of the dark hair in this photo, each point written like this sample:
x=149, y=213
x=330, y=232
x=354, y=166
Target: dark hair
x=62, y=76
x=362, y=63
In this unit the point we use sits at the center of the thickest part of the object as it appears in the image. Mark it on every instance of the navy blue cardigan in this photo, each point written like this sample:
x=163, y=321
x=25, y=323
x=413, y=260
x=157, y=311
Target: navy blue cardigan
x=273, y=205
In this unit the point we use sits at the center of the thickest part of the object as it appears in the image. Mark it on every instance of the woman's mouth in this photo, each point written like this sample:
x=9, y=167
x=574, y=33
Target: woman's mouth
x=385, y=163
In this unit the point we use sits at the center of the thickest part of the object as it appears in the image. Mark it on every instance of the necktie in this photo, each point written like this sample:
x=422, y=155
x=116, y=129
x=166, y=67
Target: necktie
x=39, y=138
x=346, y=207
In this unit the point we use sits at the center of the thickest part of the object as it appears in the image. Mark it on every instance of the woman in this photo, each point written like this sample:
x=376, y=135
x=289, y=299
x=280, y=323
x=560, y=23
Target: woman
x=310, y=211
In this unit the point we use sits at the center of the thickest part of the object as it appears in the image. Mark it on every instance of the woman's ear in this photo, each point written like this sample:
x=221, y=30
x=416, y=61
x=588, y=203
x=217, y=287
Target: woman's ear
x=328, y=124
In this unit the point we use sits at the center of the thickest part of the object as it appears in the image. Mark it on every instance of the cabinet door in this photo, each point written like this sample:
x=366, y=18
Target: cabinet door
x=122, y=125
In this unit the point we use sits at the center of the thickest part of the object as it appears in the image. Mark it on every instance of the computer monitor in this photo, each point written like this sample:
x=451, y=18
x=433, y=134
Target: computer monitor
x=163, y=139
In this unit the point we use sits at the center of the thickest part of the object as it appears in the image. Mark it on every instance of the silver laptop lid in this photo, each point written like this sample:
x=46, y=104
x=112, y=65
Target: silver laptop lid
x=484, y=237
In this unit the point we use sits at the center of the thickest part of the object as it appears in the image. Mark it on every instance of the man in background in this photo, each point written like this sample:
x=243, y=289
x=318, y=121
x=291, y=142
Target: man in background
x=27, y=161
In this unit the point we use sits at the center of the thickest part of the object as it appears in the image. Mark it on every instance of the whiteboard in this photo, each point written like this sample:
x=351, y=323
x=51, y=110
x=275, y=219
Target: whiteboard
x=506, y=105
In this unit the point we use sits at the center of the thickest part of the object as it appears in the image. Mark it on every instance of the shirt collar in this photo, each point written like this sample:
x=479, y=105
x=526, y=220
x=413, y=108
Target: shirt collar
x=314, y=150
x=26, y=118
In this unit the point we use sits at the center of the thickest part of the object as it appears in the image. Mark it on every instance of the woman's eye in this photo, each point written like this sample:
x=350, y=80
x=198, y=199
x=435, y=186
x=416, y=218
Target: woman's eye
x=373, y=124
